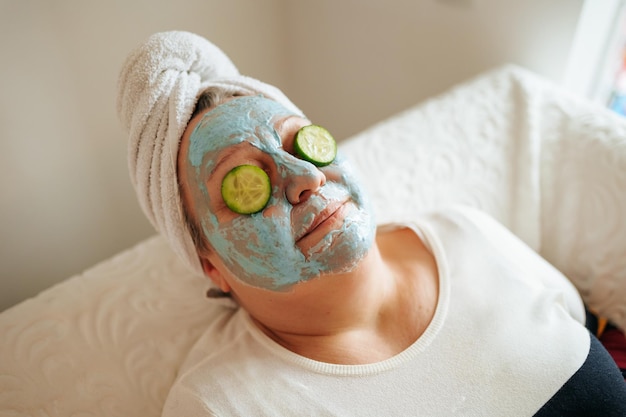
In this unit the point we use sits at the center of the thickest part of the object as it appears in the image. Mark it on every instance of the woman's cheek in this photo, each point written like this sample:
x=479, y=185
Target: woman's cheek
x=273, y=211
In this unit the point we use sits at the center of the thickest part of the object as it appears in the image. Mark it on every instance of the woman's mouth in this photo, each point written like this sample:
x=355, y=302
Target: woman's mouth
x=331, y=218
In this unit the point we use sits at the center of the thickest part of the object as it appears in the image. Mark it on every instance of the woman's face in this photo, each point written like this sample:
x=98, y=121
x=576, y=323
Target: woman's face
x=317, y=220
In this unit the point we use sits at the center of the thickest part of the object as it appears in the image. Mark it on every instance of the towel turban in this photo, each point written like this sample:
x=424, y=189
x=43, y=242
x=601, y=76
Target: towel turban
x=158, y=88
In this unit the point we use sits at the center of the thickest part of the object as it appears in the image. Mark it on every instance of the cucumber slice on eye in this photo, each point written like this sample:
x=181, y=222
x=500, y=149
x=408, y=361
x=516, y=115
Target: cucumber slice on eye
x=246, y=189
x=315, y=144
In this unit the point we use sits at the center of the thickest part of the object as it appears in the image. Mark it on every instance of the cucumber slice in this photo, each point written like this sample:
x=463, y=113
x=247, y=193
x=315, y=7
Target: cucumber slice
x=315, y=144
x=246, y=189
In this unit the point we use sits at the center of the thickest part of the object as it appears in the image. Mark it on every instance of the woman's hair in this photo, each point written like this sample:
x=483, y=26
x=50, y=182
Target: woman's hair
x=212, y=97
x=208, y=98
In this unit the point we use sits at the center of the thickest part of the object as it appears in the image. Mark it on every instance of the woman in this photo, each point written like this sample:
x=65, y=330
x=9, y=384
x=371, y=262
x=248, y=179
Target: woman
x=445, y=314
x=312, y=244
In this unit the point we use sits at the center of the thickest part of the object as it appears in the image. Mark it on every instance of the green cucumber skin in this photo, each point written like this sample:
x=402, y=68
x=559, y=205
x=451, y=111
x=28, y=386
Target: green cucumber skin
x=230, y=200
x=304, y=155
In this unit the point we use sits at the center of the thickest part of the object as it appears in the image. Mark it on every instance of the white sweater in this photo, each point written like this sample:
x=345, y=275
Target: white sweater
x=507, y=333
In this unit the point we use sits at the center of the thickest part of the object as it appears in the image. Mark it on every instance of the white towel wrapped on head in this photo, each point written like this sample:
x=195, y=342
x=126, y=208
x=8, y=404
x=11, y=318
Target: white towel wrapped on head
x=157, y=91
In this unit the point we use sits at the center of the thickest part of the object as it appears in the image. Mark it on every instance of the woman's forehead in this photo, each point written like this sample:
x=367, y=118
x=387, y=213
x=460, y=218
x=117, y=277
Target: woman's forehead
x=233, y=122
x=242, y=114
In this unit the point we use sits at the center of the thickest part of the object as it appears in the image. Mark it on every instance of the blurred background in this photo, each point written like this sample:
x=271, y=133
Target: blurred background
x=67, y=202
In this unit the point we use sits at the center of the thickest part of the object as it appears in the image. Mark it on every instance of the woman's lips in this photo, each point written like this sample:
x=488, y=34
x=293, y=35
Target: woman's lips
x=326, y=219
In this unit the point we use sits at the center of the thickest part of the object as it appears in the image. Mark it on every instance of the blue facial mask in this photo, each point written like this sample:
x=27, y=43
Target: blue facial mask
x=261, y=249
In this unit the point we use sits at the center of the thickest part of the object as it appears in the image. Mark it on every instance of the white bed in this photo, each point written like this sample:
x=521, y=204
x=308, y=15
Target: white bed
x=550, y=166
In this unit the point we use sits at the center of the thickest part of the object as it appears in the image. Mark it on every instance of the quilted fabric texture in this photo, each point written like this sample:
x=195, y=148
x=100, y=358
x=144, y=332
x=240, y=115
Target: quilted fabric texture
x=549, y=166
x=104, y=343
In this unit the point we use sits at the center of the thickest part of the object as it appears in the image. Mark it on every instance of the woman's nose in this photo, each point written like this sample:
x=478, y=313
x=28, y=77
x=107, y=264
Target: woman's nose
x=301, y=179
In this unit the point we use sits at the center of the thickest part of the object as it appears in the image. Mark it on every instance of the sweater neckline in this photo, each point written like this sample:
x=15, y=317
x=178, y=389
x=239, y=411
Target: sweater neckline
x=431, y=240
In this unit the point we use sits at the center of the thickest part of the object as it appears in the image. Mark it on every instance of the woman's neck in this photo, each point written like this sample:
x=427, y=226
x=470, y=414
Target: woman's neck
x=365, y=316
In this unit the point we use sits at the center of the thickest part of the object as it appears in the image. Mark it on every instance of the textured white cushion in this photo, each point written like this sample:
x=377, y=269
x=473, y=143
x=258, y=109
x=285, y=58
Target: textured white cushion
x=549, y=166
x=104, y=343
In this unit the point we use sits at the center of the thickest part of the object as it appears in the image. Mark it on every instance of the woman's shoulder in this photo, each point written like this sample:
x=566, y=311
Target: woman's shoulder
x=454, y=213
x=454, y=219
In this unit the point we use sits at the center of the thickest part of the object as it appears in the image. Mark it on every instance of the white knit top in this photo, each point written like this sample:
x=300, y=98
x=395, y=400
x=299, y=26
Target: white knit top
x=507, y=333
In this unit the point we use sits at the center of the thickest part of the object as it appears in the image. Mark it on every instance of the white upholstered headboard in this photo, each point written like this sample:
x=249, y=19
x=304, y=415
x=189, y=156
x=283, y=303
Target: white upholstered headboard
x=549, y=166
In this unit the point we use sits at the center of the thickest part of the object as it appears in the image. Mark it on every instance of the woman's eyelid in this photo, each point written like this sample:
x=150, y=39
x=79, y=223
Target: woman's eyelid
x=237, y=156
x=262, y=163
x=287, y=130
x=288, y=142
x=285, y=138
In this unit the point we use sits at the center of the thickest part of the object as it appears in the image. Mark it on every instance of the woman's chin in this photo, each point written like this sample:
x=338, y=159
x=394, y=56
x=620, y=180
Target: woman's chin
x=343, y=249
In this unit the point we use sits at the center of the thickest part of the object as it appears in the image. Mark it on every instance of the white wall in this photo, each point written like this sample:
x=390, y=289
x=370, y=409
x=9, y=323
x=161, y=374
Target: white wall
x=66, y=199
x=67, y=202
x=358, y=61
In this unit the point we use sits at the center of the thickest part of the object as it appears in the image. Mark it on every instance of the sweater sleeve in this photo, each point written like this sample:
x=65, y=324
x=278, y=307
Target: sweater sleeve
x=506, y=244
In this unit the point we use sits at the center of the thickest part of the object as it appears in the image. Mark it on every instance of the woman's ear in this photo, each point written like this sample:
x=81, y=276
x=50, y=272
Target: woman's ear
x=215, y=275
